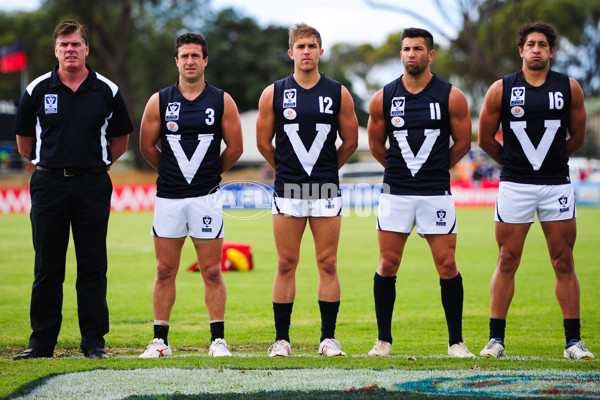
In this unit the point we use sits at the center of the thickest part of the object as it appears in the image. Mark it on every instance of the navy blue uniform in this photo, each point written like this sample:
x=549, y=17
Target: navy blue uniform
x=534, y=125
x=306, y=128
x=190, y=136
x=418, y=127
x=70, y=189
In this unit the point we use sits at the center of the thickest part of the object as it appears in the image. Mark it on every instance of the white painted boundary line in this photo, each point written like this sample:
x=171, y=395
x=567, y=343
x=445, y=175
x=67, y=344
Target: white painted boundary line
x=118, y=384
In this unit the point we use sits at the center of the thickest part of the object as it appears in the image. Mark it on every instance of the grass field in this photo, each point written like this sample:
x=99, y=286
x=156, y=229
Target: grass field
x=534, y=325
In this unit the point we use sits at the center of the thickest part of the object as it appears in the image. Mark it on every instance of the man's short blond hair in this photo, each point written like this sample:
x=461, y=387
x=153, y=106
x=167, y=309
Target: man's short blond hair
x=302, y=30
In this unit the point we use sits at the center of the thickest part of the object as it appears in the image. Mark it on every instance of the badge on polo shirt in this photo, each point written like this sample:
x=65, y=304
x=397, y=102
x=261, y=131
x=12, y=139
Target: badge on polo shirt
x=172, y=113
x=51, y=103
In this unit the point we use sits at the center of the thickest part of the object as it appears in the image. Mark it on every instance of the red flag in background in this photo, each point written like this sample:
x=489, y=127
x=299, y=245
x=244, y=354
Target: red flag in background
x=12, y=58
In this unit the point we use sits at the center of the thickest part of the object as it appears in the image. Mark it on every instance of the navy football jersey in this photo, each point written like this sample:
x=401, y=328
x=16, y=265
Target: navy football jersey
x=418, y=128
x=306, y=128
x=534, y=126
x=190, y=138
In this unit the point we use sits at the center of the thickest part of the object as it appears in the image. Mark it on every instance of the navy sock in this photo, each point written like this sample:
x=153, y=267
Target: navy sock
x=162, y=332
x=283, y=315
x=572, y=330
x=329, y=312
x=384, y=292
x=497, y=328
x=452, y=300
x=217, y=330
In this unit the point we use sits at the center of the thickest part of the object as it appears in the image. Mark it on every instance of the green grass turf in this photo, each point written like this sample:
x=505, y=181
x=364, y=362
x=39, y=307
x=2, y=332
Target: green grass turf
x=534, y=326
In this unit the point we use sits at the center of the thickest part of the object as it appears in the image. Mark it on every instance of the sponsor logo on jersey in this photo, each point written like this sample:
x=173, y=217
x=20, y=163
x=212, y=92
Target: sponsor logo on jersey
x=398, y=122
x=564, y=204
x=207, y=220
x=289, y=98
x=397, y=108
x=172, y=113
x=51, y=103
x=289, y=113
x=517, y=111
x=172, y=126
x=441, y=218
x=517, y=96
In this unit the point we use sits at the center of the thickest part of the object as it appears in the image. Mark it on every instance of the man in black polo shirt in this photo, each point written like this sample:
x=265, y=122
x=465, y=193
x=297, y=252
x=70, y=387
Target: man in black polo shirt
x=72, y=124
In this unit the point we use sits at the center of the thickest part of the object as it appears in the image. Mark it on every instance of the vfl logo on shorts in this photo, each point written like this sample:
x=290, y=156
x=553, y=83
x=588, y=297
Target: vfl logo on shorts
x=207, y=220
x=564, y=204
x=172, y=112
x=289, y=98
x=517, y=96
x=51, y=103
x=441, y=218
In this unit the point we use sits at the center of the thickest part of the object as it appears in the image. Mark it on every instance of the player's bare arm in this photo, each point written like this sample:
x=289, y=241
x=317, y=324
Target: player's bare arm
x=265, y=126
x=376, y=128
x=489, y=121
x=577, y=119
x=348, y=128
x=460, y=125
x=150, y=132
x=231, y=128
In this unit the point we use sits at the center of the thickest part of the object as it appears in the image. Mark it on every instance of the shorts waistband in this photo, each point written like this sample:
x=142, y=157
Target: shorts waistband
x=68, y=172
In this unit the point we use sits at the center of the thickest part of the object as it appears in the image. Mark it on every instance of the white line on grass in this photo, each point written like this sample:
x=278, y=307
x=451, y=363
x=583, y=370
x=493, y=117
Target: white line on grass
x=118, y=384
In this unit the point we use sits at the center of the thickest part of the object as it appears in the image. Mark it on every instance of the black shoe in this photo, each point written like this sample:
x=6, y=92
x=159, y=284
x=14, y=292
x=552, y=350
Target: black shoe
x=34, y=353
x=96, y=352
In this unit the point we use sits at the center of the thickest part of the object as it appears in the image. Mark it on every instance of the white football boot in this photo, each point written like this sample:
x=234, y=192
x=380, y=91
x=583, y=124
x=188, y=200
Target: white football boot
x=157, y=348
x=219, y=348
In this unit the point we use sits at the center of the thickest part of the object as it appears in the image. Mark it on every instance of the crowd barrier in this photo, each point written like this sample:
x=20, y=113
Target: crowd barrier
x=245, y=194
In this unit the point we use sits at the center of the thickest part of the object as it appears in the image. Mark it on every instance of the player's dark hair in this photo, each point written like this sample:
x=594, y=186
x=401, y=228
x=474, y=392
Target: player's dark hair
x=419, y=33
x=548, y=30
x=67, y=27
x=301, y=30
x=188, y=38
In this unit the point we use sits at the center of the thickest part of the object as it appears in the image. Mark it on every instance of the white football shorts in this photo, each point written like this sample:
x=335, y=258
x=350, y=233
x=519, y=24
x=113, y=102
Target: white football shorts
x=517, y=203
x=432, y=215
x=330, y=207
x=201, y=217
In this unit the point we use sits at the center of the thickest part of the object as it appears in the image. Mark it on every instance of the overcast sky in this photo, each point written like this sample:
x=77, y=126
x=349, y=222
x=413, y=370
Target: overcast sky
x=350, y=21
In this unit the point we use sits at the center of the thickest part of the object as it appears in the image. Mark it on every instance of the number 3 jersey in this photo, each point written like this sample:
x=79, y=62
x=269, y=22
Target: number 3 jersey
x=418, y=128
x=306, y=128
x=534, y=126
x=190, y=138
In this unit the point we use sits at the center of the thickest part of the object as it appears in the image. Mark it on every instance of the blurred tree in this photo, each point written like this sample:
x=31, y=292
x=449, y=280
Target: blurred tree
x=131, y=43
x=244, y=58
x=484, y=49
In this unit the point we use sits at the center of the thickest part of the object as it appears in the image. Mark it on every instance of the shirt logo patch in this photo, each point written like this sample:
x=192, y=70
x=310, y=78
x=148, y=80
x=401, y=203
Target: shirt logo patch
x=517, y=112
x=289, y=113
x=289, y=98
x=51, y=103
x=517, y=96
x=172, y=113
x=172, y=126
x=398, y=122
x=397, y=108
